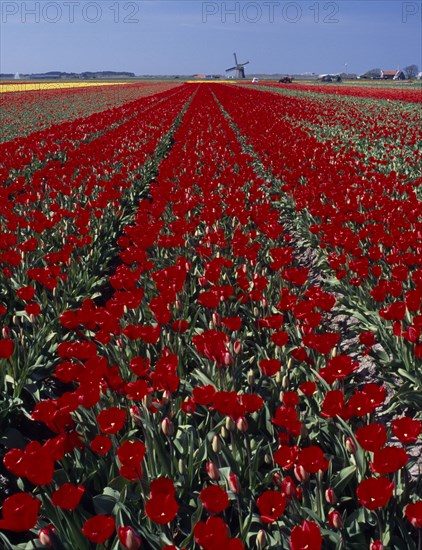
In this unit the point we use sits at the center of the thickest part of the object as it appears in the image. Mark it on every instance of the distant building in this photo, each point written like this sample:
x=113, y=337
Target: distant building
x=393, y=75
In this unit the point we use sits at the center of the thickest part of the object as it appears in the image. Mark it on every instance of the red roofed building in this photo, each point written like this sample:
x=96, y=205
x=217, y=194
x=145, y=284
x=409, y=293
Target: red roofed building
x=393, y=75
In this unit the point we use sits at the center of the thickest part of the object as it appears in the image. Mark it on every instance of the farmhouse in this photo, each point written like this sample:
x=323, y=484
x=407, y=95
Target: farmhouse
x=393, y=75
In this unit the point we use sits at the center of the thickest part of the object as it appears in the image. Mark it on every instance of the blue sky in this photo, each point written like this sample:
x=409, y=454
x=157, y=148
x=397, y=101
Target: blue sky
x=189, y=37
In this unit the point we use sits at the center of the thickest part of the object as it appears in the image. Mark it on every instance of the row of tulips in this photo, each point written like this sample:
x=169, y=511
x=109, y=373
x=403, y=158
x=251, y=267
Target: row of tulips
x=410, y=95
x=26, y=112
x=365, y=221
x=375, y=257
x=58, y=229
x=205, y=401
x=26, y=154
x=385, y=135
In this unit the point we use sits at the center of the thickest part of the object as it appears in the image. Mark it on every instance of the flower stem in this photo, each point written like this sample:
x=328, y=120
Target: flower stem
x=380, y=528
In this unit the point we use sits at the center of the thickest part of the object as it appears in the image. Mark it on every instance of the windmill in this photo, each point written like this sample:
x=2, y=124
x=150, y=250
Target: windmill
x=239, y=68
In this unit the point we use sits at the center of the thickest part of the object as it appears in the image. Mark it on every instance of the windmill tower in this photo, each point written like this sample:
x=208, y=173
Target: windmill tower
x=238, y=67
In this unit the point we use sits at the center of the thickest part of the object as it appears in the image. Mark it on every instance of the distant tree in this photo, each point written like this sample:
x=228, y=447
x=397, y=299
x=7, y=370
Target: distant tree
x=411, y=71
x=372, y=73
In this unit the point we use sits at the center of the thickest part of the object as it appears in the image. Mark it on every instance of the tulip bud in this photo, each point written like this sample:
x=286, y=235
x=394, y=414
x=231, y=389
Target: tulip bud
x=165, y=400
x=301, y=474
x=376, y=545
x=230, y=424
x=242, y=424
x=6, y=333
x=46, y=535
x=278, y=377
x=285, y=383
x=288, y=487
x=267, y=458
x=167, y=427
x=334, y=352
x=135, y=414
x=224, y=432
x=237, y=347
x=250, y=377
x=330, y=496
x=212, y=471
x=278, y=479
x=350, y=445
x=335, y=519
x=128, y=538
x=216, y=319
x=216, y=444
x=181, y=466
x=289, y=363
x=147, y=401
x=261, y=539
x=234, y=484
x=227, y=358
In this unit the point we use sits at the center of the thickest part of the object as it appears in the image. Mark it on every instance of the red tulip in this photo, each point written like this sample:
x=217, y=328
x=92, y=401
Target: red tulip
x=413, y=512
x=6, y=348
x=47, y=535
x=271, y=506
x=162, y=506
x=389, y=460
x=128, y=538
x=101, y=444
x=312, y=459
x=374, y=493
x=99, y=528
x=20, y=512
x=406, y=429
x=26, y=293
x=269, y=367
x=371, y=437
x=286, y=457
x=214, y=498
x=335, y=519
x=68, y=496
x=111, y=420
x=212, y=534
x=203, y=395
x=307, y=536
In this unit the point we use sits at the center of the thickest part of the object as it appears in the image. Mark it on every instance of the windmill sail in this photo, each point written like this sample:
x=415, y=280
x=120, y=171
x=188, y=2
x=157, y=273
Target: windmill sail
x=239, y=68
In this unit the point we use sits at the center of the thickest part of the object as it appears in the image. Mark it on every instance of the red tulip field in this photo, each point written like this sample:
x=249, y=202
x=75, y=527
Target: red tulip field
x=211, y=318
